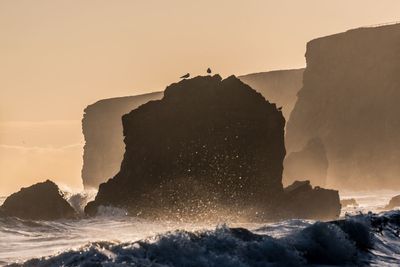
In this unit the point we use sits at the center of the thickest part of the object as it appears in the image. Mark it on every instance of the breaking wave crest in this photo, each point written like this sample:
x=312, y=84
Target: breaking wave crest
x=79, y=200
x=369, y=239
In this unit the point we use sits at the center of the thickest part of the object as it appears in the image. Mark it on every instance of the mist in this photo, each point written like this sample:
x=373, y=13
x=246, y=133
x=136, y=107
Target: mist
x=33, y=151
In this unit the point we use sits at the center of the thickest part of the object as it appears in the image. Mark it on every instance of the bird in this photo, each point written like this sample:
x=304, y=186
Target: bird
x=209, y=71
x=187, y=75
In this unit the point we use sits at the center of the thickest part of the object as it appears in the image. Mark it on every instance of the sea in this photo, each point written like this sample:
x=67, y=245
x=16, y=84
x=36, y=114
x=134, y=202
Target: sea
x=365, y=235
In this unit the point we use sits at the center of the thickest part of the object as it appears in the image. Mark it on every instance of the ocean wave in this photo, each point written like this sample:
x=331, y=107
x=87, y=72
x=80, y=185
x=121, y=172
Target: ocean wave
x=79, y=200
x=365, y=239
x=13, y=225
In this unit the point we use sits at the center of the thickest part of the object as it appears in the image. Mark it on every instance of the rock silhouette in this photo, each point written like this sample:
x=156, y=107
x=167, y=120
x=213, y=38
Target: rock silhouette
x=349, y=100
x=310, y=163
x=207, y=140
x=208, y=145
x=102, y=123
x=41, y=201
x=102, y=128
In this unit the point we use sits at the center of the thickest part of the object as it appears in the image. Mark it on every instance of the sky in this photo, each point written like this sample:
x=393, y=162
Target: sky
x=58, y=56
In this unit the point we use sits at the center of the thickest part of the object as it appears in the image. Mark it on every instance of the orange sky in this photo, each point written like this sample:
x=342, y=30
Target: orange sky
x=57, y=56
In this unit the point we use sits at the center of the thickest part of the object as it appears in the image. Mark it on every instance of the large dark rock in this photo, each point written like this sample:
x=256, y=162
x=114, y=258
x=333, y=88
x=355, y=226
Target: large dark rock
x=350, y=100
x=102, y=124
x=209, y=147
x=102, y=128
x=309, y=163
x=42, y=201
x=208, y=144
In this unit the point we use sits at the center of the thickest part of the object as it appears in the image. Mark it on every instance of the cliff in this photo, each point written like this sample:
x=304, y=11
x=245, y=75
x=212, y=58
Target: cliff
x=310, y=163
x=349, y=100
x=209, y=147
x=279, y=87
x=102, y=128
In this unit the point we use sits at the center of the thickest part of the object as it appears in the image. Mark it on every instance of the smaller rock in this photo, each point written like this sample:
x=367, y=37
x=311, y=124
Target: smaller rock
x=41, y=201
x=393, y=203
x=348, y=202
x=303, y=201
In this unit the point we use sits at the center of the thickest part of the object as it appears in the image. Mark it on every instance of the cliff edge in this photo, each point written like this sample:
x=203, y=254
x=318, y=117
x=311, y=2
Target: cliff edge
x=349, y=100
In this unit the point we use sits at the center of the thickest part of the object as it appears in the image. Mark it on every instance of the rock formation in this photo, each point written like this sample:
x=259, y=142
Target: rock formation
x=349, y=100
x=208, y=145
x=207, y=139
x=300, y=200
x=42, y=201
x=102, y=126
x=309, y=163
x=102, y=129
x=280, y=87
x=393, y=203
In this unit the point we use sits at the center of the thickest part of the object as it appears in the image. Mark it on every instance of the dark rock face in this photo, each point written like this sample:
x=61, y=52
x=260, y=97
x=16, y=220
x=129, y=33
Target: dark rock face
x=309, y=163
x=209, y=146
x=303, y=201
x=349, y=100
x=102, y=123
x=209, y=143
x=279, y=87
x=393, y=203
x=102, y=129
x=42, y=201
